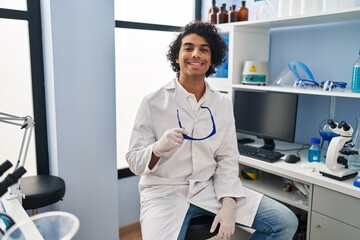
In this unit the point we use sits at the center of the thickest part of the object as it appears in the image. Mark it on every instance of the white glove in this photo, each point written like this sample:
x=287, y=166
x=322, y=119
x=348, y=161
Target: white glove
x=226, y=218
x=171, y=139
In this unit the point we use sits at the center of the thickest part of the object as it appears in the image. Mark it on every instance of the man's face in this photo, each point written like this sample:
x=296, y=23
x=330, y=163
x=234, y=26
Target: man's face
x=194, y=56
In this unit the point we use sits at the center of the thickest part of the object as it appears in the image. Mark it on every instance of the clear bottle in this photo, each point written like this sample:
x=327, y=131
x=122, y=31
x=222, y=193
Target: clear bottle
x=354, y=160
x=355, y=83
x=243, y=13
x=314, y=153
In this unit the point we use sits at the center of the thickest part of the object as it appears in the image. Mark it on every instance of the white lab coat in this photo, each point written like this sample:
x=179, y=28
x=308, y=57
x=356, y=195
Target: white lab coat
x=199, y=172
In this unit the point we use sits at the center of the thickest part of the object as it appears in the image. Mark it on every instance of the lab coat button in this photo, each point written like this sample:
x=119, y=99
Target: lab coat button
x=194, y=155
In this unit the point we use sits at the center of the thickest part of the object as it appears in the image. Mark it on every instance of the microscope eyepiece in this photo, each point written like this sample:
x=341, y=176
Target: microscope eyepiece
x=331, y=123
x=344, y=126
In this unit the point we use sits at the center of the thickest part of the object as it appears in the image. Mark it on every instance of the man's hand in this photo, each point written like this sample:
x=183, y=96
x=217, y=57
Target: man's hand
x=226, y=218
x=171, y=139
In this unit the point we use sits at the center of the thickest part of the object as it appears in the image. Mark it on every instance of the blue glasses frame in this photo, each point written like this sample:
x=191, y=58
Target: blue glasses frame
x=198, y=139
x=331, y=85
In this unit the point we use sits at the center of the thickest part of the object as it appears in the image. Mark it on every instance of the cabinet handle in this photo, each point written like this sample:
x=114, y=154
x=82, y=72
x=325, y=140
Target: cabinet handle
x=318, y=226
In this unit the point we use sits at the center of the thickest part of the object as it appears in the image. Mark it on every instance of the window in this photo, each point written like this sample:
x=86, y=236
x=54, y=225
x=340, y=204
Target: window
x=142, y=36
x=22, y=82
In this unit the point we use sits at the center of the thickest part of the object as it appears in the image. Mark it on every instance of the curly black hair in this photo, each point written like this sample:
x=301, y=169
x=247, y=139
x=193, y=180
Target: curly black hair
x=211, y=34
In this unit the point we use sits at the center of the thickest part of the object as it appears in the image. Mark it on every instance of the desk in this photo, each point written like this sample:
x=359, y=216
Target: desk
x=14, y=208
x=332, y=206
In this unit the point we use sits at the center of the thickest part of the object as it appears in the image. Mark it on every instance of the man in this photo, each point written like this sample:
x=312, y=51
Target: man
x=184, y=147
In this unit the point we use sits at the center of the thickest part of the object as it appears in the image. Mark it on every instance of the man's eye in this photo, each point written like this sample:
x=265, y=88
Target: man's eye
x=205, y=50
x=188, y=49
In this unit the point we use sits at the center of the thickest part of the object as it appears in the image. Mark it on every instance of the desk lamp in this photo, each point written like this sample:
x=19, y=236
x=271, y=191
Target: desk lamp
x=26, y=123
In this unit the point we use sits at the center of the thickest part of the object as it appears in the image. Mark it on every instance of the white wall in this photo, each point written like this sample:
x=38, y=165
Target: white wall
x=80, y=96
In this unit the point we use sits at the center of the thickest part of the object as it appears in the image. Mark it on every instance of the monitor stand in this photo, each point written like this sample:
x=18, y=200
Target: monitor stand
x=269, y=144
x=245, y=140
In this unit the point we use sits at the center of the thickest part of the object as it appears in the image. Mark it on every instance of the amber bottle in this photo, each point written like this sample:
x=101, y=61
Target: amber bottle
x=222, y=15
x=213, y=16
x=243, y=13
x=232, y=14
x=213, y=8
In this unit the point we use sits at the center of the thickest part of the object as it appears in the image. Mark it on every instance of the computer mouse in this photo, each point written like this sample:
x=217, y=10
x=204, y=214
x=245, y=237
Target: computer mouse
x=292, y=159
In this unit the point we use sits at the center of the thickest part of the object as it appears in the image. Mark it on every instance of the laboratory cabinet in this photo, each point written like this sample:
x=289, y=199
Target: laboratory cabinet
x=334, y=215
x=330, y=206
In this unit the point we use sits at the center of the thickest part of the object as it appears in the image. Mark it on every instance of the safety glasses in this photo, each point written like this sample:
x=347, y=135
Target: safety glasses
x=333, y=86
x=198, y=139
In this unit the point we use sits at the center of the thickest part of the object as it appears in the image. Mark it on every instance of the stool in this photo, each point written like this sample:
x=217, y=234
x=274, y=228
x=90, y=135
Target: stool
x=199, y=228
x=41, y=191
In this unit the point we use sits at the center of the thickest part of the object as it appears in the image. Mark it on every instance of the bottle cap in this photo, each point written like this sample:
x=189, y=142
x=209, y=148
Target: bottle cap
x=315, y=140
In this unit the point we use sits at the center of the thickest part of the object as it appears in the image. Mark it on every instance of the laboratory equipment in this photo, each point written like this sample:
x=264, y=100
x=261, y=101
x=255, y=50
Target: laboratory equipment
x=26, y=123
x=243, y=12
x=55, y=225
x=255, y=73
x=355, y=82
x=354, y=160
x=296, y=74
x=314, y=152
x=269, y=115
x=336, y=164
x=324, y=128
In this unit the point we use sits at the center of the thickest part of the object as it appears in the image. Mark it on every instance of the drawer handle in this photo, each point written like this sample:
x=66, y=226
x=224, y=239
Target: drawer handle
x=318, y=226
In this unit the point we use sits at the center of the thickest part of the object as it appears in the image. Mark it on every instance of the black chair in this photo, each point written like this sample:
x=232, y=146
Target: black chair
x=41, y=191
x=199, y=228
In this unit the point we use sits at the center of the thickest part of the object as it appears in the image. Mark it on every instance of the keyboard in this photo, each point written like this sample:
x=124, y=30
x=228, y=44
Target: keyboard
x=259, y=153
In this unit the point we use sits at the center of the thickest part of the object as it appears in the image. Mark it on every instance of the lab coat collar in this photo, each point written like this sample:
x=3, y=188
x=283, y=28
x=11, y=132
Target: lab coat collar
x=180, y=95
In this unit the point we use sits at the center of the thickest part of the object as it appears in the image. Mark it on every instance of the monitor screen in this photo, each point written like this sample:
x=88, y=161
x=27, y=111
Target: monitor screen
x=269, y=115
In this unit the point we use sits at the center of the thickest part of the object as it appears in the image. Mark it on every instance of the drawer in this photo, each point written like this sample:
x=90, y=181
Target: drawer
x=336, y=205
x=323, y=227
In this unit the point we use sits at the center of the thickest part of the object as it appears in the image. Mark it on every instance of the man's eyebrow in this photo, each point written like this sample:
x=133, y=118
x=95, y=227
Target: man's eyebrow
x=191, y=44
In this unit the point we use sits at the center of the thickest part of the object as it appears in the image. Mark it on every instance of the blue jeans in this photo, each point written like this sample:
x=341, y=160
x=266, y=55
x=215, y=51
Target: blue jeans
x=273, y=221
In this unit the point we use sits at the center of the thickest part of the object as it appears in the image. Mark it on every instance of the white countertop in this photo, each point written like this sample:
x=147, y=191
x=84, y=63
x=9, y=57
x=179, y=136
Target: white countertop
x=303, y=170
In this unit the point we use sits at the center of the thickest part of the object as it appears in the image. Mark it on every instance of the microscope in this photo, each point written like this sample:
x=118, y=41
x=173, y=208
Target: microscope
x=336, y=164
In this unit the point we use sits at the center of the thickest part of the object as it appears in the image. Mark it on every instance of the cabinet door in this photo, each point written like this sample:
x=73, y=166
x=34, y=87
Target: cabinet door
x=323, y=227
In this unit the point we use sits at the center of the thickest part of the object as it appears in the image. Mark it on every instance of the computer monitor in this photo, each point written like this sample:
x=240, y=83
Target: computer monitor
x=268, y=115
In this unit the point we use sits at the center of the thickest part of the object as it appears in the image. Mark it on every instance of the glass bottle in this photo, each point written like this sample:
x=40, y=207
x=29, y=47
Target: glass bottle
x=354, y=160
x=212, y=13
x=213, y=16
x=324, y=129
x=314, y=153
x=222, y=15
x=232, y=14
x=355, y=83
x=213, y=8
x=243, y=13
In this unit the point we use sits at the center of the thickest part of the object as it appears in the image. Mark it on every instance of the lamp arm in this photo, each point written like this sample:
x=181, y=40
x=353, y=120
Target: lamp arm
x=28, y=125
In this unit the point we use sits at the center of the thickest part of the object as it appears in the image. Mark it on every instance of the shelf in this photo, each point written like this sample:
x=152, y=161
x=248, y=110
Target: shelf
x=272, y=186
x=317, y=92
x=346, y=15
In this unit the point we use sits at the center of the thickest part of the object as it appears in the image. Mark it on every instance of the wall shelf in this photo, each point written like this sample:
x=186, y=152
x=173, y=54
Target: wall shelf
x=351, y=14
x=317, y=92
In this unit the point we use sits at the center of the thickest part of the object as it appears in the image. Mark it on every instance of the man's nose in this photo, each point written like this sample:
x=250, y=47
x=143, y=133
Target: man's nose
x=196, y=53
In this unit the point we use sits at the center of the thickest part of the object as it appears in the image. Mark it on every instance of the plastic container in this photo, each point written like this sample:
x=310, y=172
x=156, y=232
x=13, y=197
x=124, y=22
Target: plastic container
x=54, y=225
x=314, y=154
x=355, y=82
